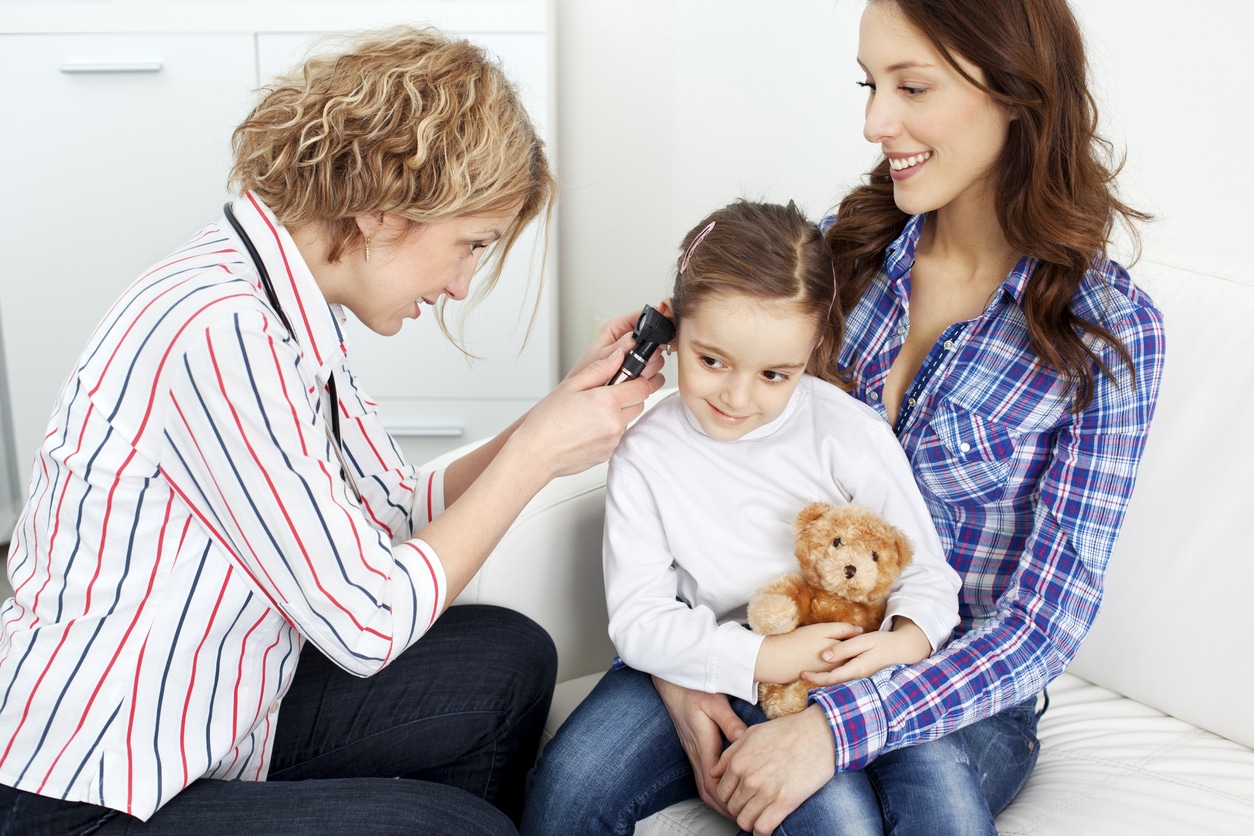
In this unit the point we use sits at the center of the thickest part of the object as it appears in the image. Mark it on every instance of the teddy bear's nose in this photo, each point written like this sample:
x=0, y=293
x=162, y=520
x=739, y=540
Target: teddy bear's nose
x=850, y=571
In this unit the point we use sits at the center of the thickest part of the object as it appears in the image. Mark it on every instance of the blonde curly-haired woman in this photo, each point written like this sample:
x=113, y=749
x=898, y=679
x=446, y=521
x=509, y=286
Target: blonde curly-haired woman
x=230, y=589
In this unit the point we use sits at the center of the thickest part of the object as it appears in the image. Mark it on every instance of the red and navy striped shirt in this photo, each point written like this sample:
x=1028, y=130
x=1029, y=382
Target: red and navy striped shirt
x=187, y=530
x=1027, y=495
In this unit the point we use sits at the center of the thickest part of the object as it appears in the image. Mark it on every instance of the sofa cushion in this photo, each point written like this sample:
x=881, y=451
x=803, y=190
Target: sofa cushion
x=1108, y=765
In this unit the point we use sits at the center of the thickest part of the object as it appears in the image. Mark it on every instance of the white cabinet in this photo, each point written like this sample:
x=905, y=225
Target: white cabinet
x=116, y=146
x=114, y=151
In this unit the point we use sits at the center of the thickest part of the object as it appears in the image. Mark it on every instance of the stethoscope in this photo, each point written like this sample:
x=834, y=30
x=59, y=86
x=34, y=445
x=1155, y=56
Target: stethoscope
x=268, y=287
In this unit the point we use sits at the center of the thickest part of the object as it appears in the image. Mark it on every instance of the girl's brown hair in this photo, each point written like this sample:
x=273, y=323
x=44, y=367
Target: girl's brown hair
x=1053, y=183
x=401, y=120
x=768, y=252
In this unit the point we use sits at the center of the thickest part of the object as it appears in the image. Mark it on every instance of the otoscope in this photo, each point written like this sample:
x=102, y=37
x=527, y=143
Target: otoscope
x=652, y=329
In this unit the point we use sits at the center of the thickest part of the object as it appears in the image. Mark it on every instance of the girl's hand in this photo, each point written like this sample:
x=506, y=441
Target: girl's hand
x=785, y=657
x=867, y=654
x=704, y=722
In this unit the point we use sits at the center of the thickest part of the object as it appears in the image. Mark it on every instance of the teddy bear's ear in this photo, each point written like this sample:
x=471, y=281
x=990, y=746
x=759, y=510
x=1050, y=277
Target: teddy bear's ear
x=905, y=550
x=810, y=513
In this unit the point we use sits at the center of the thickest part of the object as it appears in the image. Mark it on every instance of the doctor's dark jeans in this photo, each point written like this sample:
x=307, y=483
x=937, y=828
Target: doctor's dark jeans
x=459, y=715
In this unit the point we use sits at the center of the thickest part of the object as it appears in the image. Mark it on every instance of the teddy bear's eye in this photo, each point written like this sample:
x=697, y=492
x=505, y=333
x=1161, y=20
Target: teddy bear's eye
x=875, y=557
x=836, y=543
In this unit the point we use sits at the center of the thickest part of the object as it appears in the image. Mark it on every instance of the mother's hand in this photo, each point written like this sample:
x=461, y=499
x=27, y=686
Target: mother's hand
x=773, y=767
x=704, y=722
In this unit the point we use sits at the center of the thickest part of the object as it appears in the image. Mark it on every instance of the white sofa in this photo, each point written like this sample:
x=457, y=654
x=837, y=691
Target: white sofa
x=1151, y=729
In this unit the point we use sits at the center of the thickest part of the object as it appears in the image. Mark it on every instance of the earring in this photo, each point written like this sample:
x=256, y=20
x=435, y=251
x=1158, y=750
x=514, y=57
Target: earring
x=368, y=248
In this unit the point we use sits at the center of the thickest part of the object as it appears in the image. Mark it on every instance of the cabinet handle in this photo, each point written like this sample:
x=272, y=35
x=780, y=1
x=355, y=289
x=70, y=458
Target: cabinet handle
x=426, y=431
x=113, y=67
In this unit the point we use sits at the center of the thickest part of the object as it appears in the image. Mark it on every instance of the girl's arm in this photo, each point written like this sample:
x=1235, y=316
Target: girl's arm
x=651, y=629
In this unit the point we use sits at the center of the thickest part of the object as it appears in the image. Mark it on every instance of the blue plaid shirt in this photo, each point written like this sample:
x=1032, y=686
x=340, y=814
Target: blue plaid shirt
x=1027, y=496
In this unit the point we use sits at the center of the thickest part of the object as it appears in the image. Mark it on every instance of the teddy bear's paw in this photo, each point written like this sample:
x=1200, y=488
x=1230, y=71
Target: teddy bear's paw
x=794, y=697
x=782, y=700
x=771, y=613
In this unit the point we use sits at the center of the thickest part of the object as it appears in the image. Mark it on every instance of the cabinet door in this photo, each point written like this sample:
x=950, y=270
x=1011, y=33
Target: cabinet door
x=431, y=397
x=115, y=151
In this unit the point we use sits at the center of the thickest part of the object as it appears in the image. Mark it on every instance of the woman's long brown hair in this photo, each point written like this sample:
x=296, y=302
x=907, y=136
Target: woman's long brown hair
x=1054, y=180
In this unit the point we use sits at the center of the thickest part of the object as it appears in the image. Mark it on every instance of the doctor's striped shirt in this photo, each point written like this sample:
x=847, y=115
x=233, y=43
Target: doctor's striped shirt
x=187, y=529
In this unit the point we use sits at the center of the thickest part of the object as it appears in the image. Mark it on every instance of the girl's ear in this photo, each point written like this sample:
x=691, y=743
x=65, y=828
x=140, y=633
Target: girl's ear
x=664, y=307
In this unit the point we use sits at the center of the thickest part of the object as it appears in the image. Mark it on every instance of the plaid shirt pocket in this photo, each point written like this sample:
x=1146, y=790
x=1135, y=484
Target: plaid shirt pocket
x=964, y=458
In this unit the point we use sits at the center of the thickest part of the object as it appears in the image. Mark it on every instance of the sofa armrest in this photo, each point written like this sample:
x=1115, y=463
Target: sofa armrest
x=548, y=567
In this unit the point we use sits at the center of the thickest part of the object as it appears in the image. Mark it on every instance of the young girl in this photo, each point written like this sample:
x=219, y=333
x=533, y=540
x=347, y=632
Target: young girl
x=701, y=495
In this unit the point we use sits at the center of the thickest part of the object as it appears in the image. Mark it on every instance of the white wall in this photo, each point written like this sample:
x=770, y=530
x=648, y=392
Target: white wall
x=670, y=108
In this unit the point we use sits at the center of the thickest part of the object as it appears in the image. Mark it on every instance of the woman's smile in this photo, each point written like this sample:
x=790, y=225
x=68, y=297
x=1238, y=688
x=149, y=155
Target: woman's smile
x=902, y=167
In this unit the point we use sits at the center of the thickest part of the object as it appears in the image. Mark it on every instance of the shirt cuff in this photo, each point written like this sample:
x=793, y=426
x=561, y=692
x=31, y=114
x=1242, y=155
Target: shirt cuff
x=432, y=496
x=732, y=662
x=855, y=714
x=423, y=602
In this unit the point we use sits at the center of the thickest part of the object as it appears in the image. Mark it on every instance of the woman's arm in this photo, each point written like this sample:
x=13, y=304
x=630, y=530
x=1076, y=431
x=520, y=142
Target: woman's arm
x=614, y=336
x=1052, y=596
x=248, y=452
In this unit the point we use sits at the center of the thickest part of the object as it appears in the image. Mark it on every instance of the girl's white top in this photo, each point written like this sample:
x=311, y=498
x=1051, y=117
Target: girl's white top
x=694, y=526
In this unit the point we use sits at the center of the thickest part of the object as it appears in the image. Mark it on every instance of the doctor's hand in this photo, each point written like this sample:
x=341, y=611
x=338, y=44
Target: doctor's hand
x=773, y=767
x=704, y=722
x=579, y=423
x=616, y=335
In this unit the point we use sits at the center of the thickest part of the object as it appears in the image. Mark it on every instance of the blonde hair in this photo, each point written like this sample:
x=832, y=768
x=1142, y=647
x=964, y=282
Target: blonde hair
x=401, y=120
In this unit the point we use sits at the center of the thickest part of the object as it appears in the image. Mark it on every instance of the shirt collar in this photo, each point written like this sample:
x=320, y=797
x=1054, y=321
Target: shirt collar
x=899, y=258
x=317, y=324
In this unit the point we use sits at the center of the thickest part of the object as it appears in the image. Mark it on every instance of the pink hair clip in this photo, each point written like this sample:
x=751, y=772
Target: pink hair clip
x=683, y=266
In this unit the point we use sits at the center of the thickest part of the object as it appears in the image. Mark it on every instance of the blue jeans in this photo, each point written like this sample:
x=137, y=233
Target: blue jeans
x=460, y=713
x=617, y=760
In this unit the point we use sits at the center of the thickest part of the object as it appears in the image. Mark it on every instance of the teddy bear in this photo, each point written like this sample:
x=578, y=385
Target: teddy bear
x=849, y=557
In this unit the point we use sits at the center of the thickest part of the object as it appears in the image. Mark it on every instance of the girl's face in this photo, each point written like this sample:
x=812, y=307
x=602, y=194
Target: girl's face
x=940, y=133
x=740, y=359
x=411, y=265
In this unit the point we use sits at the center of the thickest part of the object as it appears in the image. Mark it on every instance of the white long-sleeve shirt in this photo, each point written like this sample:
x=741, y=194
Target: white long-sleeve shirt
x=187, y=530
x=694, y=526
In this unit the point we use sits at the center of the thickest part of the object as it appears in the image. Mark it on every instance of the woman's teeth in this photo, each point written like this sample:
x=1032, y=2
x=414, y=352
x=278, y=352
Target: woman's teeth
x=902, y=163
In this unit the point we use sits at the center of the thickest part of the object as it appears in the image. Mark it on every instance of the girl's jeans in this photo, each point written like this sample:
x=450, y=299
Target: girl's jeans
x=618, y=760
